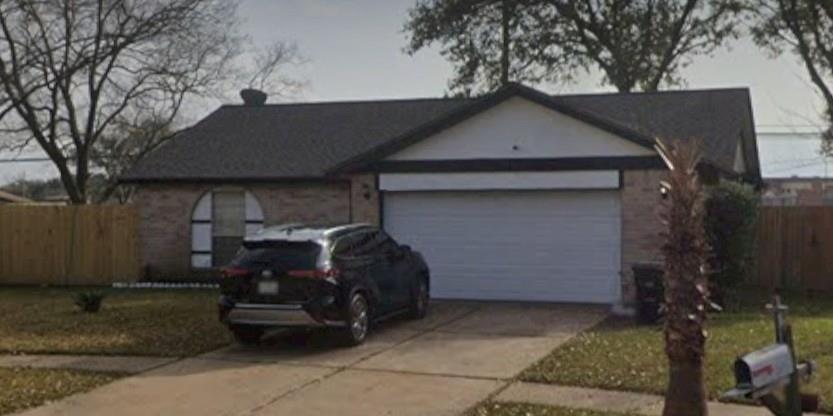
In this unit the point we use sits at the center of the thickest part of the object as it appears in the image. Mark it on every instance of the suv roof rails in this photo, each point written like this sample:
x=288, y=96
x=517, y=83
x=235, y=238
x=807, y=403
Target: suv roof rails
x=345, y=227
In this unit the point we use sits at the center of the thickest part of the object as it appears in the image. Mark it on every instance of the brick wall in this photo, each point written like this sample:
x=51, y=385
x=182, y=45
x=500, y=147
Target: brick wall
x=165, y=216
x=165, y=226
x=364, y=199
x=641, y=227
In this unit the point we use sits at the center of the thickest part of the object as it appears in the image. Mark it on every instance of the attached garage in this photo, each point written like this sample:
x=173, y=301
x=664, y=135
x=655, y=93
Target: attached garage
x=515, y=195
x=531, y=245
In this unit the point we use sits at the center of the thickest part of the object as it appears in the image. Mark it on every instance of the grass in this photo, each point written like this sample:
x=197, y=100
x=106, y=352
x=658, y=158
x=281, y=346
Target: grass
x=621, y=356
x=525, y=409
x=130, y=322
x=28, y=387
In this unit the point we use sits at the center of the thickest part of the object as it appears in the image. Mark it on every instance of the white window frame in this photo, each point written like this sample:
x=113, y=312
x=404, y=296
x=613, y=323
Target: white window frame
x=202, y=232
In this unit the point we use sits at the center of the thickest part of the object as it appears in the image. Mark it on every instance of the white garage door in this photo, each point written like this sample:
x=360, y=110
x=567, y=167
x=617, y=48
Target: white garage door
x=513, y=245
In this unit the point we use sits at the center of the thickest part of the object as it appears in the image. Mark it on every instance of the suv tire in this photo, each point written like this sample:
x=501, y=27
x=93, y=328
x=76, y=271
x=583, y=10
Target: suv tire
x=357, y=319
x=419, y=299
x=247, y=335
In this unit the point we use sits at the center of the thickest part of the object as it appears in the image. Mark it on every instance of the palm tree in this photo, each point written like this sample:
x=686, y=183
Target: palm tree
x=686, y=286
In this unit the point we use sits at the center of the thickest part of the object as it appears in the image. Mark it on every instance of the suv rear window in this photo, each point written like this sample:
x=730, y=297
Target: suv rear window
x=277, y=255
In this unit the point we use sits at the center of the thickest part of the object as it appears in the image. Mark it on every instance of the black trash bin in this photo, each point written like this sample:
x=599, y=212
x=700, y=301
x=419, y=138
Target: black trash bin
x=649, y=292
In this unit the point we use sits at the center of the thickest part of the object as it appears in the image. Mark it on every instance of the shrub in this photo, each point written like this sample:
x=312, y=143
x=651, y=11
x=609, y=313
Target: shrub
x=731, y=213
x=89, y=302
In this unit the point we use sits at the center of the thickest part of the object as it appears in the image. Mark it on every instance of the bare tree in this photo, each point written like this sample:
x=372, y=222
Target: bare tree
x=118, y=150
x=75, y=71
x=686, y=285
x=266, y=72
x=806, y=28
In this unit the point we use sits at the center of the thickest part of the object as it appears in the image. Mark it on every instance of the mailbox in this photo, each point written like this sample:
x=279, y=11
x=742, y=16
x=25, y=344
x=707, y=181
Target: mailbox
x=771, y=375
x=764, y=367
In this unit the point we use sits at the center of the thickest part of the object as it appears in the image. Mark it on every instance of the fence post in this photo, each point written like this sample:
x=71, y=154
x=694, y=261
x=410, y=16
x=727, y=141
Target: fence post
x=70, y=261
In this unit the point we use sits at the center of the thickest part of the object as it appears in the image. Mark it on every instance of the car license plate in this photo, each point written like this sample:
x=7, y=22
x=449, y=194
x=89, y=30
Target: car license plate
x=267, y=288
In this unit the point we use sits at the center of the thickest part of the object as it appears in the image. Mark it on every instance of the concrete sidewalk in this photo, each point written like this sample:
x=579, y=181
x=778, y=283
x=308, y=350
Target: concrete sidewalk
x=105, y=363
x=610, y=401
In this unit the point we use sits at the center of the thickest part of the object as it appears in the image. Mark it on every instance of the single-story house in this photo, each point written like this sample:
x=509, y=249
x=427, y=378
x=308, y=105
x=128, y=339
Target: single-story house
x=10, y=198
x=515, y=195
x=805, y=192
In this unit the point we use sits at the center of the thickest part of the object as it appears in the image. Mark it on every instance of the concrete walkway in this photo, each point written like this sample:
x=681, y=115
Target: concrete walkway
x=611, y=401
x=441, y=366
x=116, y=364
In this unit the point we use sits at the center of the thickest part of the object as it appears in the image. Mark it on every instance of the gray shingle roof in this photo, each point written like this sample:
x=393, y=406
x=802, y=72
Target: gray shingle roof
x=719, y=118
x=283, y=140
x=307, y=141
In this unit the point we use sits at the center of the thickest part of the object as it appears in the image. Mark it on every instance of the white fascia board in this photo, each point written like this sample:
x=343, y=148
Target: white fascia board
x=587, y=179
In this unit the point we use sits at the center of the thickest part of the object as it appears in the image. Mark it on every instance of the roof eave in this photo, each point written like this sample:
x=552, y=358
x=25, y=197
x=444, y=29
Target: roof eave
x=232, y=180
x=486, y=102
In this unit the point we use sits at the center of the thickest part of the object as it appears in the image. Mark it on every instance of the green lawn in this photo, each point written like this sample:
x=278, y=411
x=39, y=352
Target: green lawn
x=27, y=387
x=131, y=322
x=525, y=409
x=619, y=355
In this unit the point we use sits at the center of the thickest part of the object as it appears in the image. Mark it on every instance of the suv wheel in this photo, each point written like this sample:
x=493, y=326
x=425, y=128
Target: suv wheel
x=247, y=335
x=419, y=299
x=358, y=320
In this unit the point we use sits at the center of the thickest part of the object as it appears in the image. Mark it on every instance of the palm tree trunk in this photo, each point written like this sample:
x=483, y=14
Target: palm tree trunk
x=686, y=393
x=686, y=285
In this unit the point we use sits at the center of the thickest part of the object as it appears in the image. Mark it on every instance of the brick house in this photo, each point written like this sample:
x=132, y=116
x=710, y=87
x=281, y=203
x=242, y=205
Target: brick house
x=10, y=198
x=515, y=195
x=805, y=192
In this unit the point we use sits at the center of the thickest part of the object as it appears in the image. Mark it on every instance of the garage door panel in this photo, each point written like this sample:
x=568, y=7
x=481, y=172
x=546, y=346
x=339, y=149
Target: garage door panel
x=515, y=245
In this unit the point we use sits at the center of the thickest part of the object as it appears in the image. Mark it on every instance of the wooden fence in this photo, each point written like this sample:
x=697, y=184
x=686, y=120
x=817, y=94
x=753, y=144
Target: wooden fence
x=795, y=248
x=68, y=245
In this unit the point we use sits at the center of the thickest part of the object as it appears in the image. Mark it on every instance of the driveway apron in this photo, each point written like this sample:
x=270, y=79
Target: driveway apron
x=442, y=365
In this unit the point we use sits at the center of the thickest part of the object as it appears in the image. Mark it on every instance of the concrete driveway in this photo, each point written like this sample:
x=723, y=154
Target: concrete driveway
x=454, y=358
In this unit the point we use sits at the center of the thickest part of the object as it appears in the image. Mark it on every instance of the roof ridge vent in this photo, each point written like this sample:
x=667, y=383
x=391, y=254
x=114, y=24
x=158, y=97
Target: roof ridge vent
x=253, y=97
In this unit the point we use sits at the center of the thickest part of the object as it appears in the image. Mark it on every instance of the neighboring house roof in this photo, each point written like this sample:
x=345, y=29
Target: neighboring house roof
x=8, y=197
x=314, y=140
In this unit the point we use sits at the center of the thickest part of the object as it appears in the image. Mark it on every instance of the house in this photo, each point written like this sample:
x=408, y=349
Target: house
x=10, y=198
x=808, y=192
x=515, y=195
x=796, y=169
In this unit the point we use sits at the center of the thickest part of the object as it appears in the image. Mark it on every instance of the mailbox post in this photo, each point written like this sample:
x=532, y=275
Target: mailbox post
x=772, y=375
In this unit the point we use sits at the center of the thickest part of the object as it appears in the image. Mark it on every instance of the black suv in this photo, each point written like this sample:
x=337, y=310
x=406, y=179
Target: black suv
x=298, y=276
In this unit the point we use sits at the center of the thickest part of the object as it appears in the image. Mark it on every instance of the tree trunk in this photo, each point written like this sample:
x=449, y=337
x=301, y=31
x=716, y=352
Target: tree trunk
x=686, y=285
x=504, y=53
x=686, y=393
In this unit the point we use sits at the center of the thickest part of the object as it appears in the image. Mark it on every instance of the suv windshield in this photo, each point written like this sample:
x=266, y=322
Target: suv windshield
x=277, y=255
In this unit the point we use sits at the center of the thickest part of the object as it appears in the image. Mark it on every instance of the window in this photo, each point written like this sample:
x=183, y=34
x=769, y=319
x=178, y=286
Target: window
x=278, y=255
x=220, y=220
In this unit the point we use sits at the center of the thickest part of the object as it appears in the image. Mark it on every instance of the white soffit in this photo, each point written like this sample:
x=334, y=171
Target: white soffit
x=593, y=179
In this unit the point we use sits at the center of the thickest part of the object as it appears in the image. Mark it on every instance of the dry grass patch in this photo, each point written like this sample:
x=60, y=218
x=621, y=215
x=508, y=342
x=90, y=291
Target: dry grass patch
x=527, y=409
x=29, y=387
x=130, y=322
x=618, y=355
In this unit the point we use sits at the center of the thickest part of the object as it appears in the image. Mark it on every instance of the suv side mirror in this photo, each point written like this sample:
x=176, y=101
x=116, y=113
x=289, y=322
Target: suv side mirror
x=396, y=253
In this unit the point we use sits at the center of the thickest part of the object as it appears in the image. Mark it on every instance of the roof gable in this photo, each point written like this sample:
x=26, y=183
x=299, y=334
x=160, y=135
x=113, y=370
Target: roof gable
x=520, y=128
x=482, y=104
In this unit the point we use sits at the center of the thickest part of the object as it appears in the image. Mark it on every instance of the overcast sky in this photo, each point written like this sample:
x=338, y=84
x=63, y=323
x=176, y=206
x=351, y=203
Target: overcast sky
x=354, y=51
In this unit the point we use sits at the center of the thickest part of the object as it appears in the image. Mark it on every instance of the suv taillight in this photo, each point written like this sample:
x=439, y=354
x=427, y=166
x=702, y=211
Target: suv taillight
x=234, y=272
x=315, y=273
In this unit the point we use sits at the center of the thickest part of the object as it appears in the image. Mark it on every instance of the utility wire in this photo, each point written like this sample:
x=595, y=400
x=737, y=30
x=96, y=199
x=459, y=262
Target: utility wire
x=25, y=159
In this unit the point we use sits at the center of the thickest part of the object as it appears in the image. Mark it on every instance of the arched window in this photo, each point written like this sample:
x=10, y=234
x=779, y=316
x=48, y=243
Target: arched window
x=220, y=220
